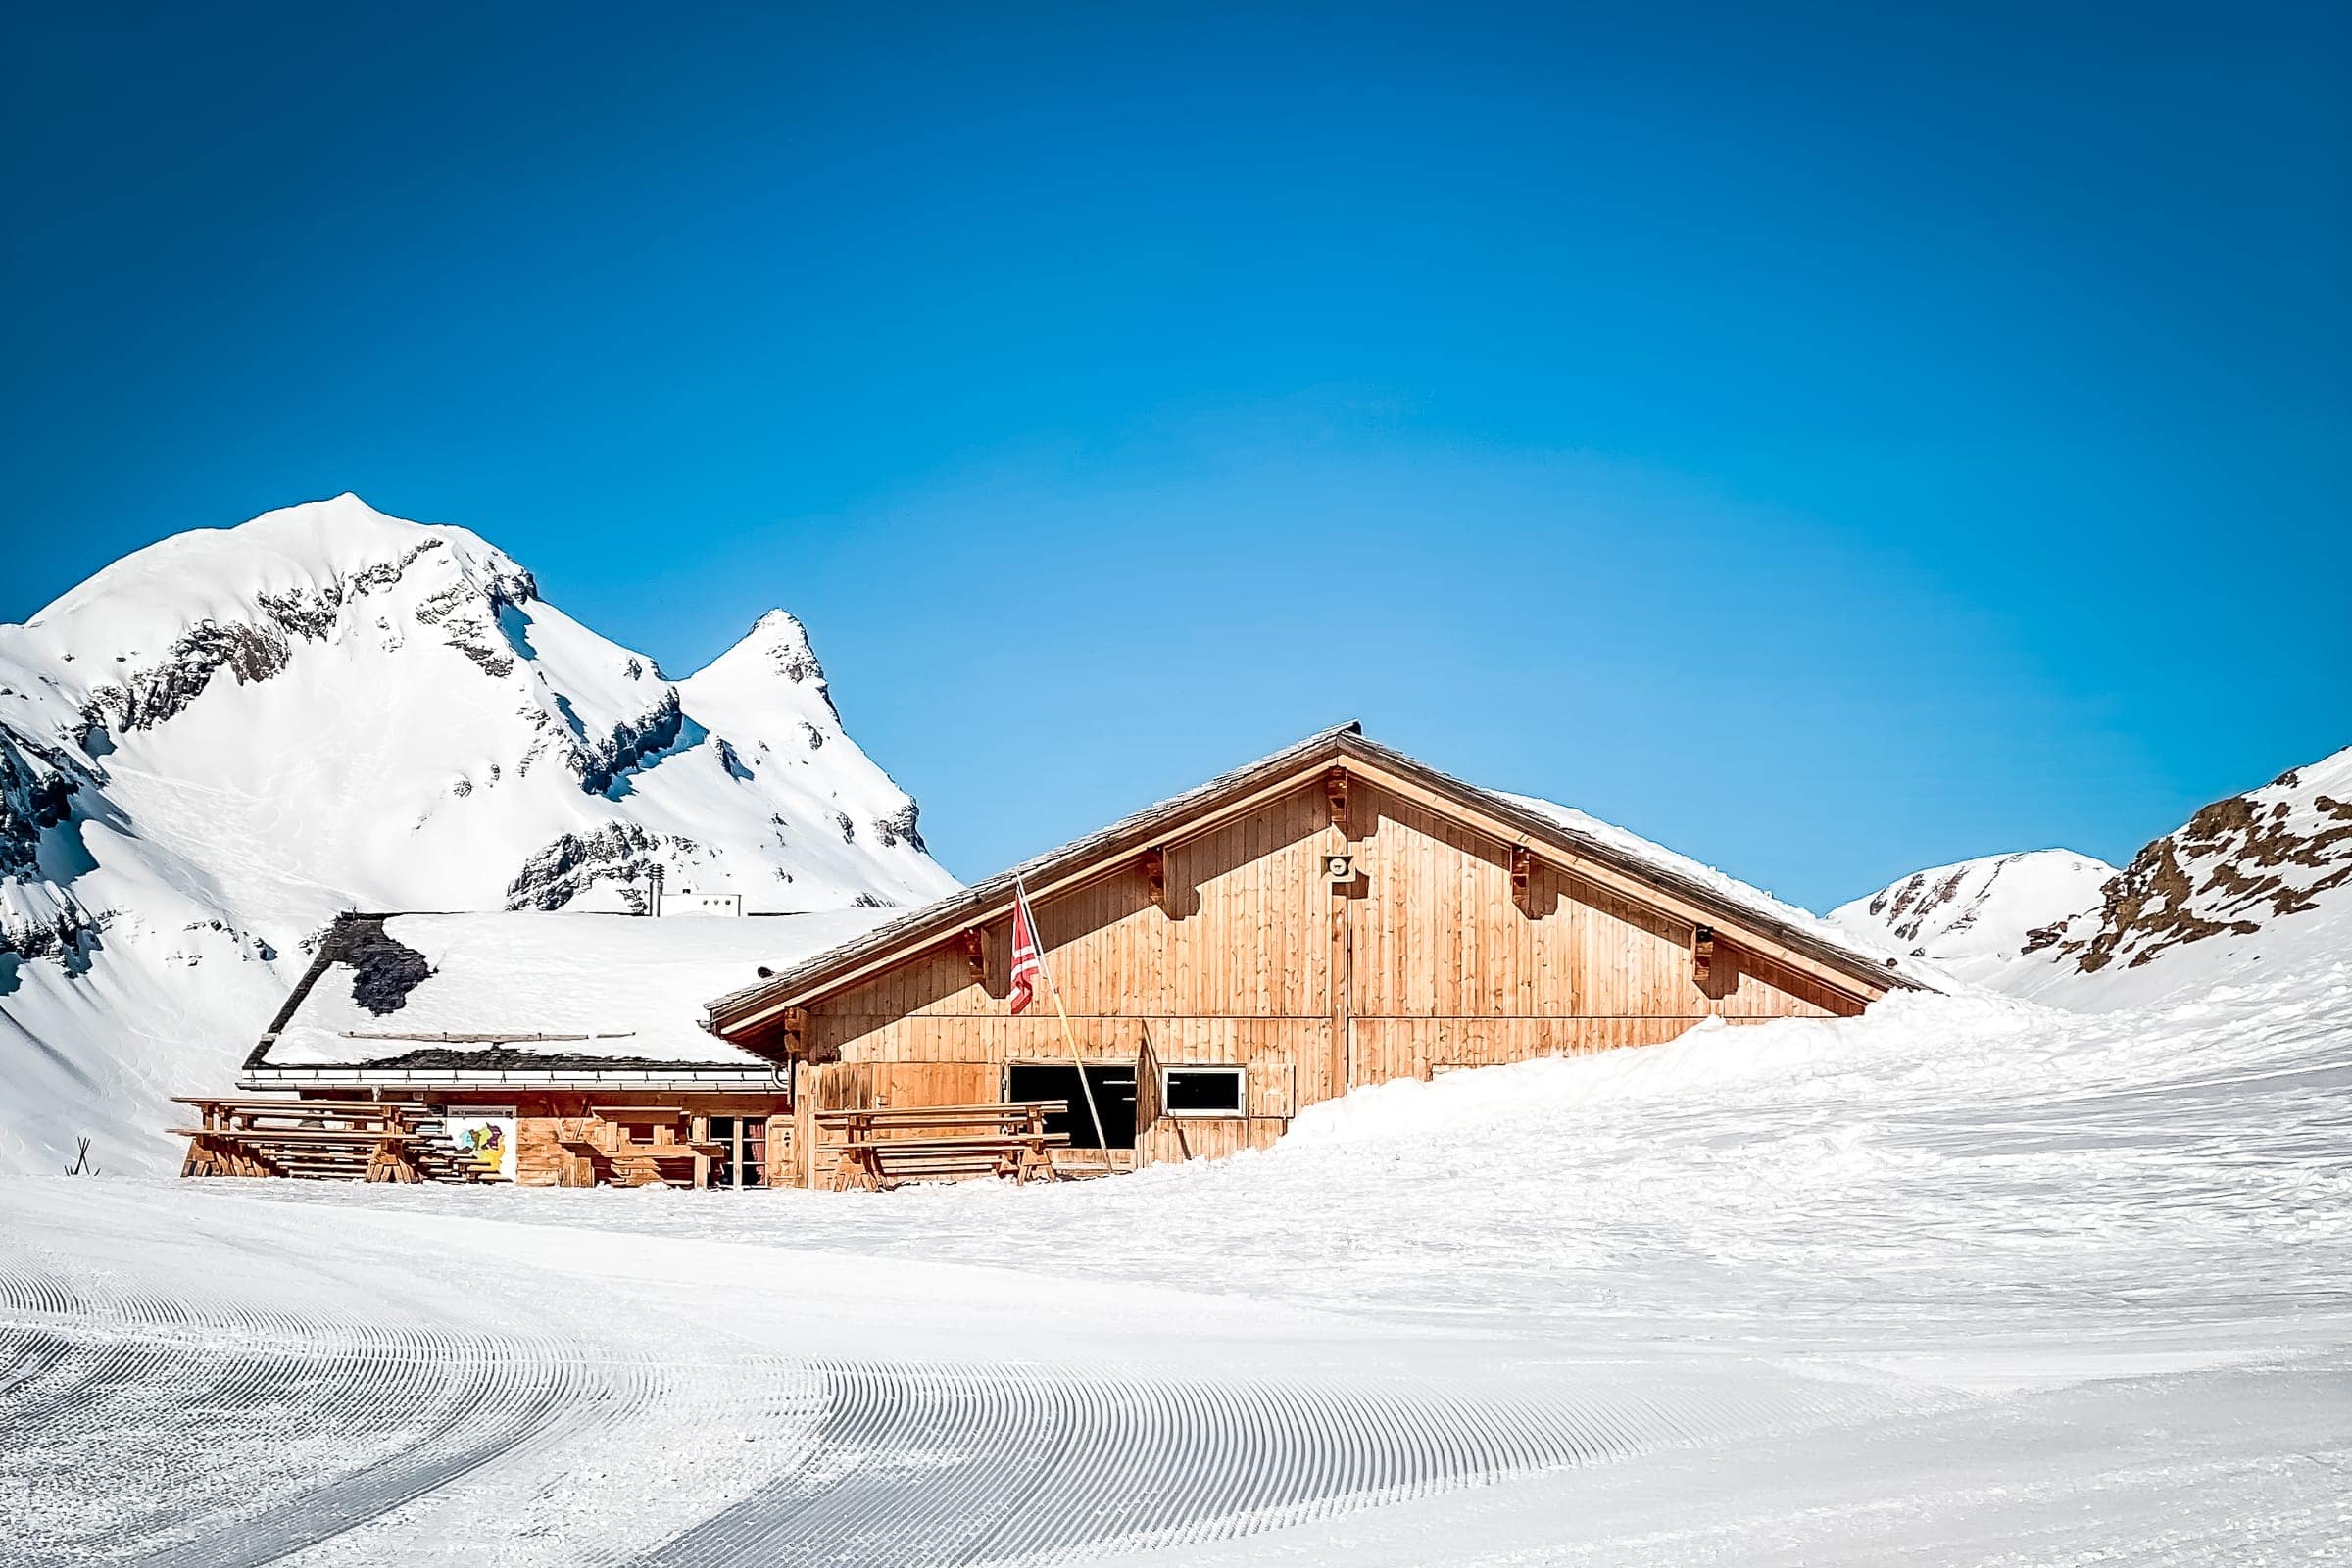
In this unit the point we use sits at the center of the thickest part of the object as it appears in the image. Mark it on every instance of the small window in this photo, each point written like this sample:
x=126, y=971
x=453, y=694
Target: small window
x=1202, y=1092
x=742, y=1159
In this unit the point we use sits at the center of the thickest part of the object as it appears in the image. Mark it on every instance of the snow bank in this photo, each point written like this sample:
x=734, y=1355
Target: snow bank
x=1712, y=1061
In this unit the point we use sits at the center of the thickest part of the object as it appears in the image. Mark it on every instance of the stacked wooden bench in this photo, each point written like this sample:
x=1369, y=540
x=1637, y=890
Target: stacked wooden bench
x=331, y=1140
x=887, y=1145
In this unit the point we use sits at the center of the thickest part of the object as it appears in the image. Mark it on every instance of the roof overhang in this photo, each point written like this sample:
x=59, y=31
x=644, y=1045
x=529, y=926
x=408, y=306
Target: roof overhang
x=706, y=1079
x=1197, y=811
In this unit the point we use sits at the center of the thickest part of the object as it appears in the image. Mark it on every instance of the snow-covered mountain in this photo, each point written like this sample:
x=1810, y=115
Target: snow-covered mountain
x=2259, y=878
x=215, y=744
x=1975, y=917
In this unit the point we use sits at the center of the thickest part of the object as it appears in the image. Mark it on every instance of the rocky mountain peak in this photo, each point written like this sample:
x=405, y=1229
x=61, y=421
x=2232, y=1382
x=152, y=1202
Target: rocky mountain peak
x=2236, y=868
x=776, y=645
x=219, y=742
x=142, y=639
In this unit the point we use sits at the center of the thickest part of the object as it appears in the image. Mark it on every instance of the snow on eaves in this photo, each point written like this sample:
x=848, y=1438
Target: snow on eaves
x=1629, y=845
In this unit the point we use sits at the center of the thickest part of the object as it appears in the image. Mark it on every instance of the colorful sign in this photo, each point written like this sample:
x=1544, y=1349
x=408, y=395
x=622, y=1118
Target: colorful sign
x=489, y=1137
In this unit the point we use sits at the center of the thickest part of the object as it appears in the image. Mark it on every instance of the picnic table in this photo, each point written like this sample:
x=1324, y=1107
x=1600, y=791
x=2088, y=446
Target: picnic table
x=604, y=1140
x=883, y=1145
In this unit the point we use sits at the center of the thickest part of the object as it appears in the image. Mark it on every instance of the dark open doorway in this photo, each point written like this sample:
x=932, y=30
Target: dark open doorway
x=1114, y=1100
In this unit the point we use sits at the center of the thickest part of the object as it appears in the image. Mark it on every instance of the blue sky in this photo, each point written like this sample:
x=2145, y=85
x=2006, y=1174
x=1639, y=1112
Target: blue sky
x=1830, y=442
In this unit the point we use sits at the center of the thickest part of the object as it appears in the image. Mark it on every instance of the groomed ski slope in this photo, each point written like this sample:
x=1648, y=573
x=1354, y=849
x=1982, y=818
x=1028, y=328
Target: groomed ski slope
x=1966, y=1281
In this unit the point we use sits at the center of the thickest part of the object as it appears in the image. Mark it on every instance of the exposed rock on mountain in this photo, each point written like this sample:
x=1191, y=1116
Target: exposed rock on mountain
x=2279, y=857
x=2256, y=879
x=1975, y=917
x=218, y=743
x=621, y=854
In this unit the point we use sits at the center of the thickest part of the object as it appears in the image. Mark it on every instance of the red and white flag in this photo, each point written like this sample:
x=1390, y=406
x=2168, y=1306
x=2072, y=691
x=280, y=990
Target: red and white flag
x=1028, y=969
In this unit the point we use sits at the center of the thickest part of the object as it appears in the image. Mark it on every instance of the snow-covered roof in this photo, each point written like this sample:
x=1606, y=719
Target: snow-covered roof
x=532, y=994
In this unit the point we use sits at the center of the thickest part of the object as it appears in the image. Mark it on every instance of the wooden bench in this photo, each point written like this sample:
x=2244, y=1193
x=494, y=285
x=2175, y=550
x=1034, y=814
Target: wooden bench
x=885, y=1146
x=360, y=1140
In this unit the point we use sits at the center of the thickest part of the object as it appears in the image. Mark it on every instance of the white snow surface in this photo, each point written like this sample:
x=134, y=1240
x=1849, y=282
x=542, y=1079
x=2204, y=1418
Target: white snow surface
x=635, y=986
x=1975, y=917
x=329, y=709
x=1968, y=1280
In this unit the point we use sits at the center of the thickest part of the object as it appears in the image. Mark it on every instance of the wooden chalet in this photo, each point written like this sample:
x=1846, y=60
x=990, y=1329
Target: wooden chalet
x=1334, y=916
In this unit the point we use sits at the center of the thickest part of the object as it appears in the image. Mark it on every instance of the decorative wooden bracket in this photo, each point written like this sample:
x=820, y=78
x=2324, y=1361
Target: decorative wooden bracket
x=975, y=953
x=1523, y=866
x=1335, y=791
x=796, y=1032
x=1155, y=877
x=1702, y=955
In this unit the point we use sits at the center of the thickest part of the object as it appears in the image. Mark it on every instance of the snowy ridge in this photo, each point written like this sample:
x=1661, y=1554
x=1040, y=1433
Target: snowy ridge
x=1975, y=917
x=217, y=742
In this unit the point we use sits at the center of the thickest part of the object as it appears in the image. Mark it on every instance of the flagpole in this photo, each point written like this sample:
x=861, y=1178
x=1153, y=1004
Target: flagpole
x=1068, y=1035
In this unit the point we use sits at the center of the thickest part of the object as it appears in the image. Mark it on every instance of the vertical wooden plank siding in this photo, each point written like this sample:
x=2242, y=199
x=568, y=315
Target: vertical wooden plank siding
x=1425, y=963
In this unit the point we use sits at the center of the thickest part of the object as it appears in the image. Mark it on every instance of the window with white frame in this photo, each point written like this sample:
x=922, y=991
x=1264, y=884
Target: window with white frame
x=742, y=1160
x=1203, y=1092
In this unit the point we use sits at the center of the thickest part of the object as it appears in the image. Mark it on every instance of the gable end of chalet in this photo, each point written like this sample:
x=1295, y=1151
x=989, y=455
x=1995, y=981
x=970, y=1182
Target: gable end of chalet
x=1239, y=878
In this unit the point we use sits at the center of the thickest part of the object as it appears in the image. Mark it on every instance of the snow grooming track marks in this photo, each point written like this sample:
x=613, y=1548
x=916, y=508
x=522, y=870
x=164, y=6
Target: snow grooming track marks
x=236, y=1417
x=132, y=1416
x=930, y=1463
x=144, y=1430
